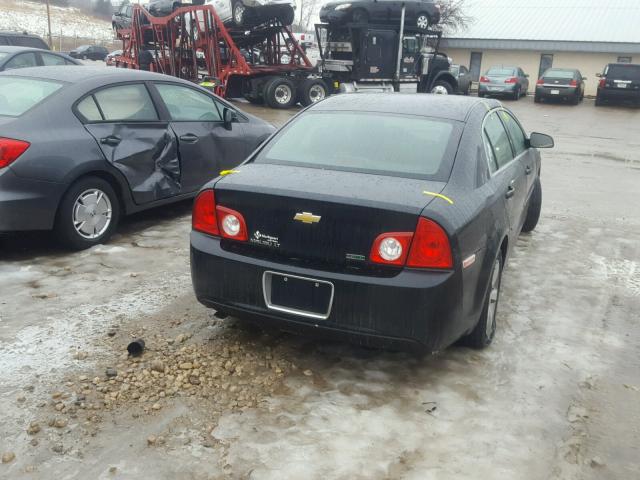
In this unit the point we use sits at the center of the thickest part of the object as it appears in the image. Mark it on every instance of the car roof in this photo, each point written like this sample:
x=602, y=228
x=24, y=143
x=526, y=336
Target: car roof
x=18, y=34
x=16, y=48
x=77, y=75
x=450, y=107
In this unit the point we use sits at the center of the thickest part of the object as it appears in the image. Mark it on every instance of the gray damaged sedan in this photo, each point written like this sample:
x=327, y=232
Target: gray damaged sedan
x=80, y=147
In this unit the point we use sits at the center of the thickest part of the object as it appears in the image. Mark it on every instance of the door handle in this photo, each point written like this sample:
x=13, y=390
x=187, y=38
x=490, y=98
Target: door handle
x=511, y=189
x=111, y=140
x=189, y=138
x=527, y=169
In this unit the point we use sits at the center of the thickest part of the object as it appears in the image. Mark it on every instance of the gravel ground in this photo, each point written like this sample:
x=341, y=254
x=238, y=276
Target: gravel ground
x=556, y=396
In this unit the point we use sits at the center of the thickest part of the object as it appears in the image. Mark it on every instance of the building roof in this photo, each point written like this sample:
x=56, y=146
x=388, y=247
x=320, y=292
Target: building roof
x=591, y=25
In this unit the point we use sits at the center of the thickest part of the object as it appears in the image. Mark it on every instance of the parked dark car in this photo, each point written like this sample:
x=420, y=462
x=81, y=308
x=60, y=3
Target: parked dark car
x=121, y=18
x=90, y=52
x=419, y=13
x=386, y=219
x=79, y=147
x=504, y=81
x=23, y=57
x=463, y=78
x=619, y=82
x=111, y=58
x=566, y=84
x=23, y=39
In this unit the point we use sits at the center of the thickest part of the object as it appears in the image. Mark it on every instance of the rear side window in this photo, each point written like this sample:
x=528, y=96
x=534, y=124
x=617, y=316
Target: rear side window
x=89, y=110
x=369, y=142
x=516, y=134
x=498, y=139
x=186, y=104
x=19, y=94
x=33, y=42
x=126, y=102
x=22, y=61
x=624, y=72
x=48, y=59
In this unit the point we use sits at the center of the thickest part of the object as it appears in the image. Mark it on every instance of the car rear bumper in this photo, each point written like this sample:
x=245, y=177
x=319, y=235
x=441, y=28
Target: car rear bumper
x=414, y=309
x=619, y=94
x=551, y=92
x=27, y=204
x=488, y=89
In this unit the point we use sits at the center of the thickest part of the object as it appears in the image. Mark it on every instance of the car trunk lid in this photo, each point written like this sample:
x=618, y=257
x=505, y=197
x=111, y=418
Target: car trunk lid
x=327, y=217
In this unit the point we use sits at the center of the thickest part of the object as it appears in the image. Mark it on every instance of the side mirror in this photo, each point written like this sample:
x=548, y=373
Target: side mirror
x=598, y=75
x=540, y=140
x=526, y=75
x=584, y=78
x=229, y=116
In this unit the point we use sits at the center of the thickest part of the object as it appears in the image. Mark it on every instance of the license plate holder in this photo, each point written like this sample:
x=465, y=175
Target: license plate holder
x=555, y=92
x=302, y=296
x=621, y=85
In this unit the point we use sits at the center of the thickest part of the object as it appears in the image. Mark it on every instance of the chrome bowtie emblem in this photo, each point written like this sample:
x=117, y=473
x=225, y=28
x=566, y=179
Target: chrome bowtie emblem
x=307, y=217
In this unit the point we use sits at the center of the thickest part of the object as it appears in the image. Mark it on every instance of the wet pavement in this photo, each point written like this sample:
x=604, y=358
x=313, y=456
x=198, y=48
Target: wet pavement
x=556, y=396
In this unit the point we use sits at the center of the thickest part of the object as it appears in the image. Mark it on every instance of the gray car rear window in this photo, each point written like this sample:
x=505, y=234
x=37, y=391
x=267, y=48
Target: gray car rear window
x=369, y=142
x=554, y=73
x=19, y=94
x=501, y=71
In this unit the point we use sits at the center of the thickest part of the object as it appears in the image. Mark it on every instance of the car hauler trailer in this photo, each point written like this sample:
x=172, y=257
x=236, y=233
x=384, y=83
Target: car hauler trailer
x=262, y=64
x=366, y=56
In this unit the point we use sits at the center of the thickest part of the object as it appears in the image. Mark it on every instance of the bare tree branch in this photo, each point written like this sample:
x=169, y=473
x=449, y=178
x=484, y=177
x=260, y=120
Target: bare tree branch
x=453, y=17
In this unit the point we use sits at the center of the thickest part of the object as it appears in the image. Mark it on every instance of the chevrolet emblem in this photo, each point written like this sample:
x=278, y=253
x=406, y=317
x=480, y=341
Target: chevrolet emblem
x=307, y=217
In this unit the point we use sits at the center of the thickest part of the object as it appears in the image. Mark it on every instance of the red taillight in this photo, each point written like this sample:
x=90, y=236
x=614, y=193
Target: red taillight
x=573, y=83
x=10, y=150
x=204, y=217
x=430, y=247
x=231, y=224
x=511, y=80
x=603, y=82
x=391, y=248
x=540, y=81
x=484, y=79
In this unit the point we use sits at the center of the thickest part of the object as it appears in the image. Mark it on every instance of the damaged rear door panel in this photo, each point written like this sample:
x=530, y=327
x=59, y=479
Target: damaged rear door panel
x=125, y=124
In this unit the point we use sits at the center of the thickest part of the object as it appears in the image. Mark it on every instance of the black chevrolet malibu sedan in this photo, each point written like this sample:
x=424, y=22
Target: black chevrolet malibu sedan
x=420, y=14
x=80, y=147
x=386, y=219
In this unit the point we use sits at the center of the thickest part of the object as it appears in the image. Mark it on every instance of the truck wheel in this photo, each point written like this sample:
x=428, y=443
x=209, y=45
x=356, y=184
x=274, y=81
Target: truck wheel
x=312, y=91
x=88, y=214
x=422, y=21
x=360, y=16
x=238, y=13
x=280, y=92
x=442, y=88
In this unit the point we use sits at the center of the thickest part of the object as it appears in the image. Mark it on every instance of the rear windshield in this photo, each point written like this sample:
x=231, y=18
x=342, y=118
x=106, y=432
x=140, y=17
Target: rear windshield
x=624, y=72
x=558, y=73
x=501, y=71
x=33, y=42
x=19, y=94
x=368, y=142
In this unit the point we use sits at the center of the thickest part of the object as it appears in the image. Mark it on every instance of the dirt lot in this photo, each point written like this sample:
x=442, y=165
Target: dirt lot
x=556, y=396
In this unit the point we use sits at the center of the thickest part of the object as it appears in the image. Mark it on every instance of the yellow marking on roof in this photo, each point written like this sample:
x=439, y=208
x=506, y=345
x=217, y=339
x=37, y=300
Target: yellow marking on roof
x=439, y=195
x=228, y=172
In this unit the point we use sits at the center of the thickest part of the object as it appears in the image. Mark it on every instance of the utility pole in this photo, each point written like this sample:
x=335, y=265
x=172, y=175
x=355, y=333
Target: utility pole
x=49, y=24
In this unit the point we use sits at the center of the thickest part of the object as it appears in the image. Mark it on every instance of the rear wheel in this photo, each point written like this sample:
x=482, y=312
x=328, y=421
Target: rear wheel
x=287, y=17
x=88, y=214
x=537, y=99
x=238, y=12
x=599, y=101
x=312, y=91
x=482, y=335
x=516, y=94
x=422, y=21
x=280, y=92
x=442, y=88
x=535, y=207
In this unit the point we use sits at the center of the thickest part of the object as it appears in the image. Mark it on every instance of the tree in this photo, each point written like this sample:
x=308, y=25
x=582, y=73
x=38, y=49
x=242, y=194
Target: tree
x=452, y=15
x=308, y=9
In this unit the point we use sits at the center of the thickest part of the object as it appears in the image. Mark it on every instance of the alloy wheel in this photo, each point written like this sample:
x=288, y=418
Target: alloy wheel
x=440, y=90
x=238, y=13
x=422, y=22
x=494, y=295
x=92, y=213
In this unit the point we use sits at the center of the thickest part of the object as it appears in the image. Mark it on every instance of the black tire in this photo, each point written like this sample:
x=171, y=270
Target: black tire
x=535, y=206
x=575, y=100
x=481, y=95
x=64, y=228
x=516, y=94
x=360, y=15
x=420, y=21
x=309, y=91
x=287, y=17
x=599, y=101
x=537, y=99
x=280, y=92
x=441, y=83
x=483, y=333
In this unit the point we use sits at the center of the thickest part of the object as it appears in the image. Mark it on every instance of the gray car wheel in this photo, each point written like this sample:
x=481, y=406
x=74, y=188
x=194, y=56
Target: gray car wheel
x=239, y=11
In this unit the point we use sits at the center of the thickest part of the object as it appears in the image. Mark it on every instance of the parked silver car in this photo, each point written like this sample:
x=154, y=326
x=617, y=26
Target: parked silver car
x=504, y=81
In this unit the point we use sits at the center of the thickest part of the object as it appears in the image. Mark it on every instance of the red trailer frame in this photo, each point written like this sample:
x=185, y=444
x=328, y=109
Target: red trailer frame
x=193, y=43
